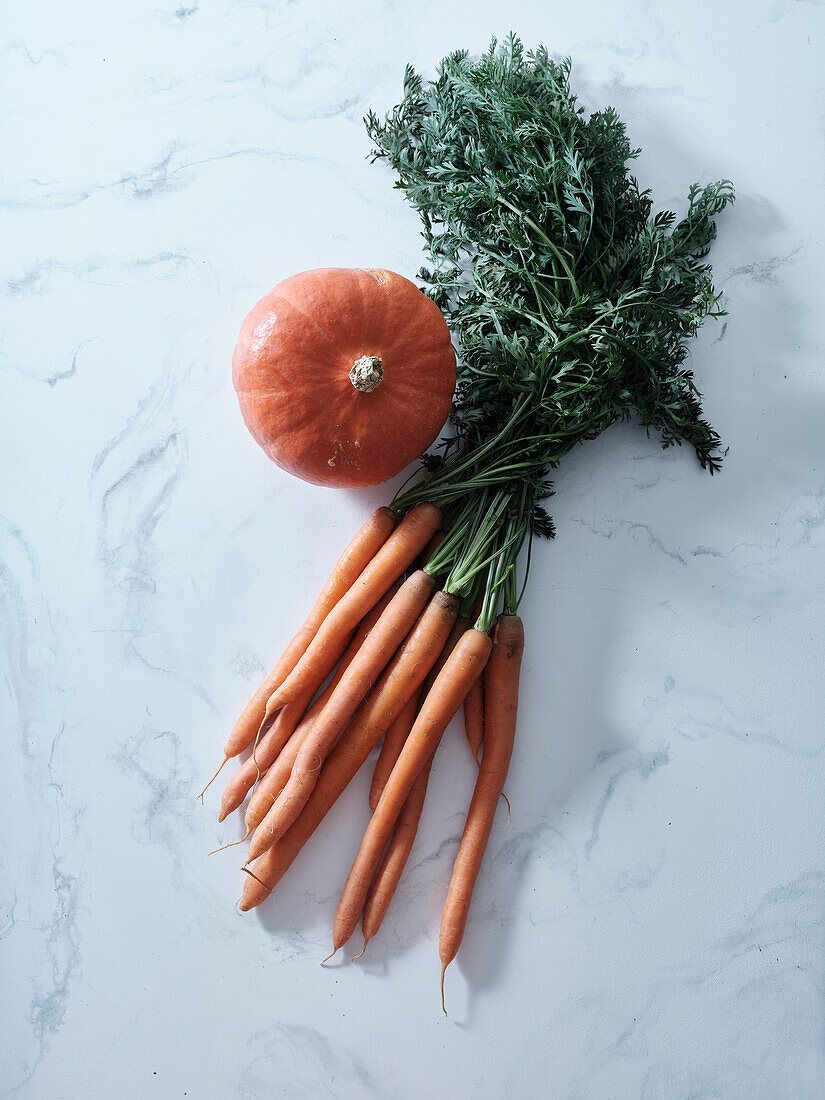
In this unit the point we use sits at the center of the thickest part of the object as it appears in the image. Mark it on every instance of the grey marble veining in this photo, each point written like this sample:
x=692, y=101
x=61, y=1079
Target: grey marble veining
x=649, y=926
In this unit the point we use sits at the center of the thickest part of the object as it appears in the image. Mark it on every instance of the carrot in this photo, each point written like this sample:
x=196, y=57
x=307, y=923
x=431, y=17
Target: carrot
x=474, y=717
x=366, y=666
x=397, y=553
x=395, y=857
x=501, y=678
x=462, y=667
x=273, y=782
x=399, y=682
x=474, y=703
x=349, y=567
x=403, y=837
x=391, y=748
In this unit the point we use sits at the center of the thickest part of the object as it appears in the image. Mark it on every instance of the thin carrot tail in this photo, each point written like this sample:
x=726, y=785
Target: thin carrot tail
x=212, y=780
x=363, y=949
x=223, y=847
x=443, y=970
x=509, y=812
x=329, y=956
x=266, y=721
x=253, y=875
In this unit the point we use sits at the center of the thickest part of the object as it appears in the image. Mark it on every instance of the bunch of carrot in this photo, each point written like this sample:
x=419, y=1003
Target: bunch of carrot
x=402, y=661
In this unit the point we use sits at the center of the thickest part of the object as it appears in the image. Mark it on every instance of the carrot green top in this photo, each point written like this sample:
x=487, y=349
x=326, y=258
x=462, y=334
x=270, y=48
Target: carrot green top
x=571, y=303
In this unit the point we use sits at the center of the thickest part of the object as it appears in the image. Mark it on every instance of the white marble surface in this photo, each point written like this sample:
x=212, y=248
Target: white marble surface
x=651, y=923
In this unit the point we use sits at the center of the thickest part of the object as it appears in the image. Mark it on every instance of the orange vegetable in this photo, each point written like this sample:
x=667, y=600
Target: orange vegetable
x=403, y=837
x=462, y=667
x=396, y=856
x=501, y=680
x=474, y=717
x=391, y=748
x=344, y=376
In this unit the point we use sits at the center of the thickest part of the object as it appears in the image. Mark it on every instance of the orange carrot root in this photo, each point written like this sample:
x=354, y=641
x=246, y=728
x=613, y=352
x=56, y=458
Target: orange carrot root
x=400, y=846
x=501, y=680
x=474, y=718
x=395, y=858
x=462, y=667
x=391, y=748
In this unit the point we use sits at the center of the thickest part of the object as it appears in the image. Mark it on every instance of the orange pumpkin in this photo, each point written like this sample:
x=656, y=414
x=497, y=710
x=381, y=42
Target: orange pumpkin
x=344, y=376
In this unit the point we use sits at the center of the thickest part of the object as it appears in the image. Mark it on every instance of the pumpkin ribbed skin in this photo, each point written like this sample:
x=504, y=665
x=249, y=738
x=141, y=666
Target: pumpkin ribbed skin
x=291, y=370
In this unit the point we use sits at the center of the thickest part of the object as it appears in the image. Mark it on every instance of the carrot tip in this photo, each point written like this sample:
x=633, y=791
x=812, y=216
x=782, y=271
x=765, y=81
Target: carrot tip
x=509, y=813
x=326, y=960
x=212, y=780
x=363, y=949
x=443, y=1006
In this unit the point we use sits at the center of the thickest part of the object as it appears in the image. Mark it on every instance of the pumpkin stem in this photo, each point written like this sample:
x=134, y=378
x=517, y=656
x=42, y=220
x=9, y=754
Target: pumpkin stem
x=367, y=373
